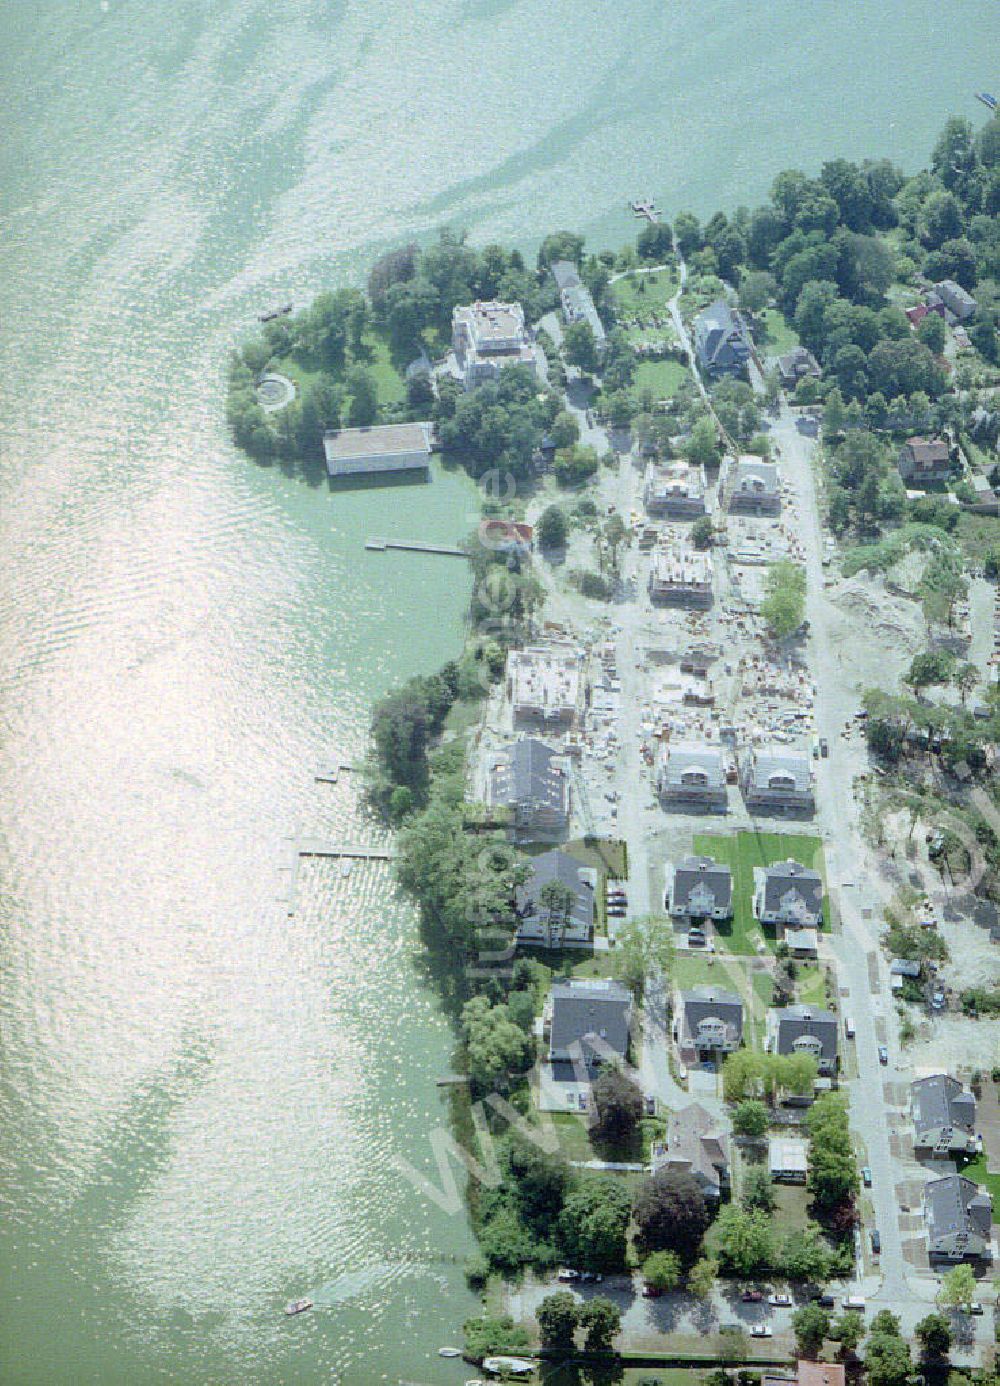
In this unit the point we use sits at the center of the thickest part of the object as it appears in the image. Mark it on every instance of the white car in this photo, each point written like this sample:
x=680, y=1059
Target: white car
x=780, y=1301
x=568, y=1275
x=761, y=1330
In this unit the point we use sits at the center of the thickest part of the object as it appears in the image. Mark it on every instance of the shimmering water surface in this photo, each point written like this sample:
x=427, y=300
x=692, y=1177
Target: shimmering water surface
x=200, y=1095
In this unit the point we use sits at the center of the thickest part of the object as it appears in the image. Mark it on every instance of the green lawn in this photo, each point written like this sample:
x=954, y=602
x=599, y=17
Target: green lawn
x=744, y=851
x=810, y=986
x=644, y=293
x=776, y=335
x=664, y=377
x=305, y=371
x=976, y=1171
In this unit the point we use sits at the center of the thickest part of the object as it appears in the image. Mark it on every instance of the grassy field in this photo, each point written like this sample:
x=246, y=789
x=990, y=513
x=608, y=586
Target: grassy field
x=742, y=852
x=664, y=377
x=810, y=986
x=975, y=534
x=777, y=334
x=305, y=371
x=644, y=293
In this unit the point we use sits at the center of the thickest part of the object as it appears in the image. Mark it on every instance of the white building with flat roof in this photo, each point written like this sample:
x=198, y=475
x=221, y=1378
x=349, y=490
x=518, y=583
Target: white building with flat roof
x=486, y=336
x=402, y=447
x=544, y=684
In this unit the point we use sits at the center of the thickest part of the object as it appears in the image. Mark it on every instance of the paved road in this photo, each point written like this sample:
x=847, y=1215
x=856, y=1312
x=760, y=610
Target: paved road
x=837, y=819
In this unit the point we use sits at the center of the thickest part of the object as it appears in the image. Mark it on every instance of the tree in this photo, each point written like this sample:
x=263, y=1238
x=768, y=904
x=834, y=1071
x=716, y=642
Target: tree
x=811, y=1326
x=556, y=899
x=757, y=288
x=575, y=465
x=565, y=430
x=702, y=447
x=558, y=1316
x=932, y=333
x=687, y=233
x=602, y=1319
x=966, y=678
x=560, y=245
x=958, y=1287
x=942, y=219
x=702, y=1277
x=804, y=1254
x=750, y=1119
x=783, y=608
x=758, y=1191
x=618, y=1107
x=580, y=346
x=484, y=1335
x=743, y=1237
x=644, y=948
x=363, y=406
x=671, y=1213
x=592, y=1225
x=887, y=1359
x=934, y=1335
x=494, y=1044
x=662, y=1270
x=702, y=532
x=929, y=667
x=552, y=528
x=540, y=1181
x=614, y=535
x=655, y=242
x=848, y=1331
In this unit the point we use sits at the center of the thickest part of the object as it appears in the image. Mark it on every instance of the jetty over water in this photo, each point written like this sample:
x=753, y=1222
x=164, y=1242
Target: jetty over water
x=381, y=545
x=321, y=847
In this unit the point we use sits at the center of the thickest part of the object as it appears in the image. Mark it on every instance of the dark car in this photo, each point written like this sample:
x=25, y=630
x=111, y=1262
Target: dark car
x=876, y=1241
x=824, y=747
x=866, y=1177
x=752, y=1296
x=696, y=939
x=826, y=1301
x=651, y=1292
x=883, y=1054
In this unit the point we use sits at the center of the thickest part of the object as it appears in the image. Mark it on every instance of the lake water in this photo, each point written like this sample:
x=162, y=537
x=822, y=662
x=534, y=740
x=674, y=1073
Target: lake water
x=201, y=1096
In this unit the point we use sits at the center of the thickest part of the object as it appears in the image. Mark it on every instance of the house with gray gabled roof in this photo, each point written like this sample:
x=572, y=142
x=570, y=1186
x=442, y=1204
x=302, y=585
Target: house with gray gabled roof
x=536, y=923
x=696, y=1145
x=778, y=782
x=944, y=1117
x=576, y=300
x=924, y=460
x=708, y=1023
x=804, y=1030
x=796, y=365
x=754, y=487
x=788, y=895
x=532, y=781
x=699, y=888
x=959, y=1219
x=692, y=776
x=588, y=1018
x=957, y=300
x=720, y=340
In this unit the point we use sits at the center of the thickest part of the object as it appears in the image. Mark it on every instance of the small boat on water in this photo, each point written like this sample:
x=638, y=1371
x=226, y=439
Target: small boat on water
x=988, y=99
x=449, y=1352
x=273, y=313
x=298, y=1306
x=345, y=866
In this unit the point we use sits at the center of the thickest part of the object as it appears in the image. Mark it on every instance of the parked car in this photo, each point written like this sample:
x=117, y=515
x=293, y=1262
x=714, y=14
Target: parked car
x=866, y=1177
x=825, y=1301
x=651, y=1292
x=650, y=1104
x=975, y=1307
x=590, y=1278
x=883, y=1054
x=761, y=1330
x=855, y=1302
x=780, y=1301
x=696, y=938
x=876, y=1241
x=752, y=1296
x=566, y=1274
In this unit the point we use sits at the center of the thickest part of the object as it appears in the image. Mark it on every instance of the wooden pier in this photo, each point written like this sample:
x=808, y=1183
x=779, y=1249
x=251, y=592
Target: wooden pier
x=330, y=774
x=645, y=210
x=381, y=545
x=320, y=847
